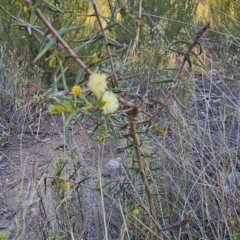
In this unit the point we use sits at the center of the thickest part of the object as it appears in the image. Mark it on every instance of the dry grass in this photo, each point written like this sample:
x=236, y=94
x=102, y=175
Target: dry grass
x=194, y=168
x=190, y=157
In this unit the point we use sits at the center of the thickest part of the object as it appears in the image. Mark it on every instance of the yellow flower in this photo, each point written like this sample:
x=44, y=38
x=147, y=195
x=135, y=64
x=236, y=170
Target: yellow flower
x=97, y=84
x=64, y=185
x=25, y=9
x=135, y=211
x=76, y=91
x=109, y=103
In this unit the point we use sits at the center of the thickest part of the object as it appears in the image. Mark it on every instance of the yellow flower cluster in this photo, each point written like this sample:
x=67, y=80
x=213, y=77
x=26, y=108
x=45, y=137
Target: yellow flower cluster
x=76, y=91
x=64, y=185
x=135, y=211
x=108, y=101
x=97, y=84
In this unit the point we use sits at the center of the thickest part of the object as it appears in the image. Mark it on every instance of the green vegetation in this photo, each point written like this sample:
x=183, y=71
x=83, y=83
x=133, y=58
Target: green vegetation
x=155, y=98
x=3, y=236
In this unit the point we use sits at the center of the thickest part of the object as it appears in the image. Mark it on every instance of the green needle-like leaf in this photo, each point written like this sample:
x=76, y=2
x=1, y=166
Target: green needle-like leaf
x=45, y=49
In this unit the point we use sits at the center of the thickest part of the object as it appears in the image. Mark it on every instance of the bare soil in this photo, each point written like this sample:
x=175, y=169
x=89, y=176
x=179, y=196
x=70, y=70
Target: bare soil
x=25, y=159
x=22, y=158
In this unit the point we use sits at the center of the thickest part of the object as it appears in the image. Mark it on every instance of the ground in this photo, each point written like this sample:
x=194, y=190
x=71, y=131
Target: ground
x=26, y=158
x=23, y=159
x=206, y=148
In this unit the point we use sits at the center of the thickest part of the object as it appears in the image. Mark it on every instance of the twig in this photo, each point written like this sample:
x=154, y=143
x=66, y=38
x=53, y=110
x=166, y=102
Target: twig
x=178, y=76
x=73, y=182
x=104, y=32
x=132, y=114
x=64, y=46
x=59, y=39
x=148, y=191
x=187, y=218
x=137, y=31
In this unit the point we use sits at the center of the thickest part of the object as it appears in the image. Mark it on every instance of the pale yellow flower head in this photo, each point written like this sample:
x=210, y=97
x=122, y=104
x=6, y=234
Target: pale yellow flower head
x=109, y=103
x=135, y=211
x=64, y=185
x=76, y=91
x=97, y=84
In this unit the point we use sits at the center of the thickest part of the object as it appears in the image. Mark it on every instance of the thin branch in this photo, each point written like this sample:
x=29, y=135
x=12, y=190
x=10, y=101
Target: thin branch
x=59, y=39
x=64, y=46
x=136, y=143
x=178, y=76
x=187, y=218
x=137, y=30
x=104, y=33
x=73, y=182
